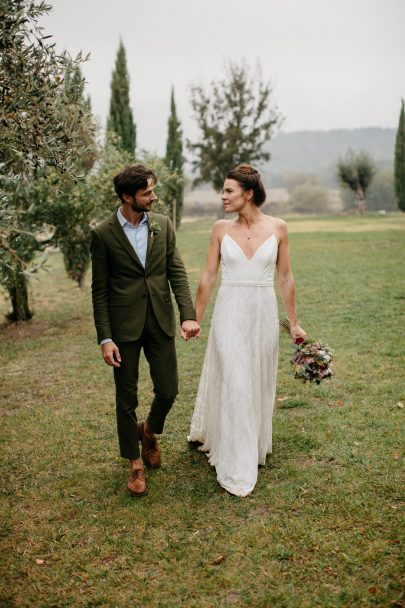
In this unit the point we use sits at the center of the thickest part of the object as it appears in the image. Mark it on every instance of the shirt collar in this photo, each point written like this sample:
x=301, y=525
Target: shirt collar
x=123, y=221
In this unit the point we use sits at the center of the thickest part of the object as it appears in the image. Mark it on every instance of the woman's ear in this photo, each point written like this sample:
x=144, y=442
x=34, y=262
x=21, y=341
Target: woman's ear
x=249, y=195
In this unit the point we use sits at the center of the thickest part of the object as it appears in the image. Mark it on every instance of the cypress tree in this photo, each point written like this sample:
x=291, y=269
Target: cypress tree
x=120, y=119
x=399, y=168
x=174, y=157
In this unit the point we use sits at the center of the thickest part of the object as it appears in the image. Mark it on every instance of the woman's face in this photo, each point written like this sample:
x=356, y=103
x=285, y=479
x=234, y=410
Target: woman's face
x=233, y=196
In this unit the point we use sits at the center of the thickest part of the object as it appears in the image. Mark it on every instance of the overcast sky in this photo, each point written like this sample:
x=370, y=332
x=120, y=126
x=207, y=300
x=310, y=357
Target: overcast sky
x=333, y=63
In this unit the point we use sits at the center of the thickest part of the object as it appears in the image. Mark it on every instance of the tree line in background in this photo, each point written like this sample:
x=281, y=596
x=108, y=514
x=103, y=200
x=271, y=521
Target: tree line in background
x=364, y=186
x=56, y=174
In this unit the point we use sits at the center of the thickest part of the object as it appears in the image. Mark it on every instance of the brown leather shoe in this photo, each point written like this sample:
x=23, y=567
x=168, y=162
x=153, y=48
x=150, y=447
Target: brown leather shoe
x=137, y=482
x=150, y=448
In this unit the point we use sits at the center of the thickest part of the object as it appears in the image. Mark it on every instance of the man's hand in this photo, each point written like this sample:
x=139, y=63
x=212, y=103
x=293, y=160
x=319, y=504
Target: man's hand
x=190, y=329
x=111, y=354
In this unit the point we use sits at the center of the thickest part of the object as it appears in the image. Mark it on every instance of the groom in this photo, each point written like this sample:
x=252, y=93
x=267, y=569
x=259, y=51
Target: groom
x=135, y=260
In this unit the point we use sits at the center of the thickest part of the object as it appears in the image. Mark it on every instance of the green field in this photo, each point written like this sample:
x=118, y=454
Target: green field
x=323, y=526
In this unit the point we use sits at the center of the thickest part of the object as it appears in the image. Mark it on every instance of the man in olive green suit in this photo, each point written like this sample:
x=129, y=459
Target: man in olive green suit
x=135, y=263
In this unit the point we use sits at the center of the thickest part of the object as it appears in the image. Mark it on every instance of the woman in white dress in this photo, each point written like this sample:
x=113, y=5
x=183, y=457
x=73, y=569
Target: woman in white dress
x=232, y=419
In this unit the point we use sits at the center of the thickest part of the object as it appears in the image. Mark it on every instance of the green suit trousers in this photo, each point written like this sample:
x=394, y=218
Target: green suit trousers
x=160, y=352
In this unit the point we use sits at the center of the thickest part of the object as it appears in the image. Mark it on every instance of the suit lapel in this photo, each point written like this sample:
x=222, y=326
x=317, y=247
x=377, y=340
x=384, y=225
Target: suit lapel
x=120, y=235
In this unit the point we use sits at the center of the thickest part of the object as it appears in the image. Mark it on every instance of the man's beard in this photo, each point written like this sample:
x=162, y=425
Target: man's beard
x=137, y=209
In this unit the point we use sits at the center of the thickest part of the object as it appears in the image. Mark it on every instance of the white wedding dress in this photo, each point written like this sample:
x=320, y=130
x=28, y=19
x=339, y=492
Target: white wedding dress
x=234, y=406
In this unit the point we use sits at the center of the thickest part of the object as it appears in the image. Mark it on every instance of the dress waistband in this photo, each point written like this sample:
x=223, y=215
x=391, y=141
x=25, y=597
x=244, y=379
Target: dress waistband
x=248, y=283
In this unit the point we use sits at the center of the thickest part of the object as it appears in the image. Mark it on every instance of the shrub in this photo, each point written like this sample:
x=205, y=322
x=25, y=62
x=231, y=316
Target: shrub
x=381, y=194
x=310, y=198
x=292, y=179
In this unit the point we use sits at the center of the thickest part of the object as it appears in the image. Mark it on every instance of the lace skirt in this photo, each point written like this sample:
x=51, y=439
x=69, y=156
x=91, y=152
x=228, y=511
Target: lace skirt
x=234, y=406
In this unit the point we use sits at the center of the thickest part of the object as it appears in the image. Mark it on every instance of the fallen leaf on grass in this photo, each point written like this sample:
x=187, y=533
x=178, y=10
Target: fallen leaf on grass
x=338, y=403
x=372, y=590
x=400, y=404
x=219, y=560
x=40, y=561
x=330, y=571
x=281, y=398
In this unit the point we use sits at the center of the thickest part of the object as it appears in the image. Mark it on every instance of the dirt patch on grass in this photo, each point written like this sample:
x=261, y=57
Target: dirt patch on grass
x=25, y=330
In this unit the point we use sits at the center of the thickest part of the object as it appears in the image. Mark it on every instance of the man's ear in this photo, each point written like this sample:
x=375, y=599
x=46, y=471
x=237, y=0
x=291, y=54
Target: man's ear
x=127, y=198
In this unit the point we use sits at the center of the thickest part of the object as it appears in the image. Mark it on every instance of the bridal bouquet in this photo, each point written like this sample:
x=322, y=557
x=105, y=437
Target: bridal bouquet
x=312, y=360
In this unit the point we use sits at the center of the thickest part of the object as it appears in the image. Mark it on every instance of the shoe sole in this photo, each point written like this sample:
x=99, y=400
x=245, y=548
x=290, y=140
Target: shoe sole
x=138, y=495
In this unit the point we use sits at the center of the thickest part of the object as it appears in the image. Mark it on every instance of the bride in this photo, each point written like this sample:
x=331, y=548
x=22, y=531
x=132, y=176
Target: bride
x=232, y=419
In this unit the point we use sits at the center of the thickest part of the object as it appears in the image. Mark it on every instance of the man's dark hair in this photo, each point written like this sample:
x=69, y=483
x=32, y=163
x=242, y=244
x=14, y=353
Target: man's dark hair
x=249, y=179
x=132, y=178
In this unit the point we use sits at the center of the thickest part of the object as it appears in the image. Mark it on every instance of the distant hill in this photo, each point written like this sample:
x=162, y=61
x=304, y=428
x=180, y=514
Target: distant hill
x=317, y=151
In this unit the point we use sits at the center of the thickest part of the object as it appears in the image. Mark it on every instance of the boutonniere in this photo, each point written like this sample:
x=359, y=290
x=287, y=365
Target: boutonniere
x=154, y=228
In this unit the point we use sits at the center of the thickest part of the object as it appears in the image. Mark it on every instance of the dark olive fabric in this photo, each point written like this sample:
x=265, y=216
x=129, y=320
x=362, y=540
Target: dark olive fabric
x=160, y=352
x=121, y=286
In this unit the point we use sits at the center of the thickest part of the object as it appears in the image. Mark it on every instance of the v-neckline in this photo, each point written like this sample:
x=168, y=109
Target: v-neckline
x=256, y=250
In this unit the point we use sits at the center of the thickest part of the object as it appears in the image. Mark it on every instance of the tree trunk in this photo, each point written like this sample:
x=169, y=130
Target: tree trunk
x=82, y=277
x=19, y=298
x=361, y=205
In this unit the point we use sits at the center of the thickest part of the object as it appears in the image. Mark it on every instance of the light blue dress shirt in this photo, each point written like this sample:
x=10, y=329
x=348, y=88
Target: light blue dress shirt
x=138, y=237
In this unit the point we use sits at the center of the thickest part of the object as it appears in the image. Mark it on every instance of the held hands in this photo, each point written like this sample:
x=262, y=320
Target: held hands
x=111, y=354
x=190, y=329
x=298, y=335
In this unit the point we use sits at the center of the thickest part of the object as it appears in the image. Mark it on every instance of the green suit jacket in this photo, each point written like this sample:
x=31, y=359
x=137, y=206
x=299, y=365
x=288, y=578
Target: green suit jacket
x=121, y=286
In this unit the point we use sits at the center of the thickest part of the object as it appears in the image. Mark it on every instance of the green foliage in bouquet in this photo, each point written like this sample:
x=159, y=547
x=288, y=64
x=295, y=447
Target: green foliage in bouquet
x=312, y=360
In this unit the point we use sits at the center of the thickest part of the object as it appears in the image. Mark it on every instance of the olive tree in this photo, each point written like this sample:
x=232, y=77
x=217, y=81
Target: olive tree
x=41, y=134
x=356, y=173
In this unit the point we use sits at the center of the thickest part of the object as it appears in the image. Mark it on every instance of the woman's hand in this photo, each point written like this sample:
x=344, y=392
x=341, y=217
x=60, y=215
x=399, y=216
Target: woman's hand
x=298, y=335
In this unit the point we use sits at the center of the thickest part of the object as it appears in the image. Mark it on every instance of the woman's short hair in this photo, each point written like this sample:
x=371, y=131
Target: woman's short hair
x=249, y=179
x=132, y=178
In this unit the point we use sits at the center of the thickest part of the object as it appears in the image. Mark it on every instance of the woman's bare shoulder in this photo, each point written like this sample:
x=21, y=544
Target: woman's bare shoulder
x=218, y=231
x=221, y=223
x=278, y=223
x=219, y=227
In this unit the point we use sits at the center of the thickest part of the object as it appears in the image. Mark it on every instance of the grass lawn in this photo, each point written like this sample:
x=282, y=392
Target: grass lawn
x=323, y=526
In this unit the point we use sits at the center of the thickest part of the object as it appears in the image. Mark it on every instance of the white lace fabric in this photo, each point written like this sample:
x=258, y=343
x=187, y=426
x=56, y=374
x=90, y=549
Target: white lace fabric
x=234, y=406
